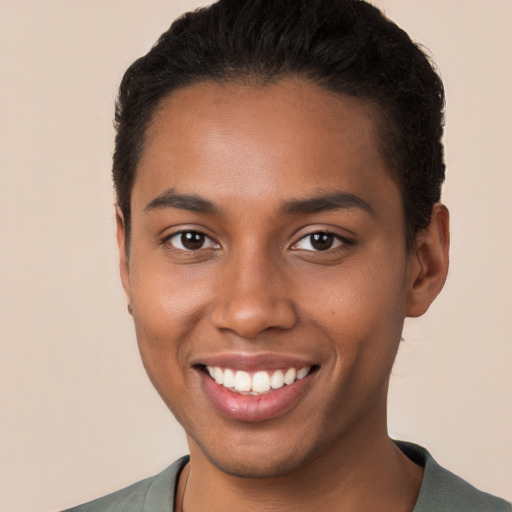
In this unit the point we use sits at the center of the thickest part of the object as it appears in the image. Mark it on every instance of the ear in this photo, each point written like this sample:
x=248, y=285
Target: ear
x=123, y=255
x=429, y=262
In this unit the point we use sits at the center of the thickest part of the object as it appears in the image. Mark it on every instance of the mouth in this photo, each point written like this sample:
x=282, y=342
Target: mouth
x=255, y=389
x=256, y=383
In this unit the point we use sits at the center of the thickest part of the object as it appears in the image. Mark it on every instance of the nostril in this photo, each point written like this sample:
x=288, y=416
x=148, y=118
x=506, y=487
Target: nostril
x=251, y=314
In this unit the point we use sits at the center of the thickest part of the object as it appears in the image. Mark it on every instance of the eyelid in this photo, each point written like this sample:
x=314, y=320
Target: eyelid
x=210, y=243
x=339, y=241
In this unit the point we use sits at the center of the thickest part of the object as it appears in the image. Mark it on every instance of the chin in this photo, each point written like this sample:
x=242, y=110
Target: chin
x=258, y=461
x=248, y=467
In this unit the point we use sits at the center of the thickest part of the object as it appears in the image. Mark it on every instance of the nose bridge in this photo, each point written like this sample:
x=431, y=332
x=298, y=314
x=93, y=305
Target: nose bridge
x=252, y=295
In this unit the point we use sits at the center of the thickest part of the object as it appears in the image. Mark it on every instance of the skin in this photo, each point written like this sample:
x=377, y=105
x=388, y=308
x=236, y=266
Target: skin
x=258, y=286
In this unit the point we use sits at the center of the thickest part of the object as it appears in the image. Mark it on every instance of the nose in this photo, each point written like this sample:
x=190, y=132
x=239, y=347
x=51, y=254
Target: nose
x=253, y=296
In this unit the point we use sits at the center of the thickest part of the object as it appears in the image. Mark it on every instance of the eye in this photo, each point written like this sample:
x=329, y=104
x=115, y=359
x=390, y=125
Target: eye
x=191, y=241
x=319, y=241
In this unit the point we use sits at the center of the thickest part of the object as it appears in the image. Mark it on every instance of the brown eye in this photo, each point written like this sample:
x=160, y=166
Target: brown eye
x=322, y=241
x=191, y=241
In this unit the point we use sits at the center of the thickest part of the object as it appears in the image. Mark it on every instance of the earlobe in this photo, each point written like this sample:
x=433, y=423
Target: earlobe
x=430, y=266
x=123, y=256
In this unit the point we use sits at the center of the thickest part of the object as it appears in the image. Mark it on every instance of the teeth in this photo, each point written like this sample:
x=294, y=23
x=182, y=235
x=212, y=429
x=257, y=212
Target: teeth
x=261, y=382
x=257, y=383
x=289, y=376
x=242, y=381
x=218, y=374
x=228, y=379
x=277, y=380
x=302, y=373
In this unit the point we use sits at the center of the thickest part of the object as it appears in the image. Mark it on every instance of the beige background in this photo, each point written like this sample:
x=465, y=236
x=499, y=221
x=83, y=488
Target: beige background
x=79, y=417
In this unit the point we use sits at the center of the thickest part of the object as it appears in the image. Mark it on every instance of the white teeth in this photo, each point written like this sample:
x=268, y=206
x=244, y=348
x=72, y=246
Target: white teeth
x=277, y=380
x=289, y=376
x=261, y=382
x=302, y=373
x=242, y=381
x=257, y=383
x=228, y=379
x=217, y=375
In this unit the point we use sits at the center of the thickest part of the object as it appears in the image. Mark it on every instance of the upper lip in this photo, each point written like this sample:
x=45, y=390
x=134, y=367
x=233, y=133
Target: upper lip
x=248, y=362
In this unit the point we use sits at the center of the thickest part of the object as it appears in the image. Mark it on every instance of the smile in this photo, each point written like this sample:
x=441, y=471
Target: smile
x=256, y=383
x=255, y=387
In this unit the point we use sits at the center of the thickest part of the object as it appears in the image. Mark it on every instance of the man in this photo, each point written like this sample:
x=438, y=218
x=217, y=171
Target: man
x=278, y=167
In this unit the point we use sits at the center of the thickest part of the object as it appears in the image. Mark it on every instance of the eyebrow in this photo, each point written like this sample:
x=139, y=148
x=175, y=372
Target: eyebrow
x=173, y=200
x=327, y=202
x=321, y=203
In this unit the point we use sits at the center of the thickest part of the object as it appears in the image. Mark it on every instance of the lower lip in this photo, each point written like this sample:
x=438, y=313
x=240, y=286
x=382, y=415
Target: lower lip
x=254, y=408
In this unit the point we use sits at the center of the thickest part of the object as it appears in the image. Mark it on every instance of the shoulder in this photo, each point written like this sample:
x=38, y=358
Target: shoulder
x=153, y=494
x=441, y=490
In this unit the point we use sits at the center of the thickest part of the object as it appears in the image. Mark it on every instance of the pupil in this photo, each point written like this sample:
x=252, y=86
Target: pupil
x=322, y=241
x=192, y=240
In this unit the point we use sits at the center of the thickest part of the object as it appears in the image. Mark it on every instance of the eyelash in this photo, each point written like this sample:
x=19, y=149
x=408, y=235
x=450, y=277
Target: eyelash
x=195, y=233
x=195, y=236
x=337, y=241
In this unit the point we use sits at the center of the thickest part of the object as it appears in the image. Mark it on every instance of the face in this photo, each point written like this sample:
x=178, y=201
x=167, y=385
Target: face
x=267, y=272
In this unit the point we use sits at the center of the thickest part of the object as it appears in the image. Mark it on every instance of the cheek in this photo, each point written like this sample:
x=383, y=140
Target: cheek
x=360, y=294
x=167, y=306
x=166, y=297
x=165, y=313
x=361, y=311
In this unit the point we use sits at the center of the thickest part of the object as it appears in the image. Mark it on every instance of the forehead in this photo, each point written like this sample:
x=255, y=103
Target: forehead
x=260, y=142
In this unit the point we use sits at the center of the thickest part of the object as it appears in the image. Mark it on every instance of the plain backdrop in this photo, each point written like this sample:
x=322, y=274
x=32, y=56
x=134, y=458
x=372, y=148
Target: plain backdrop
x=79, y=417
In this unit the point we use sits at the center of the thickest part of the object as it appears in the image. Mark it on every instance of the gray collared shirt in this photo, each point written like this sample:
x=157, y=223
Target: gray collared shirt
x=441, y=491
